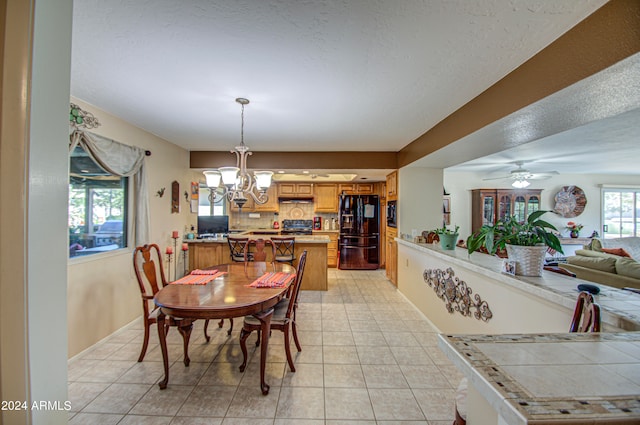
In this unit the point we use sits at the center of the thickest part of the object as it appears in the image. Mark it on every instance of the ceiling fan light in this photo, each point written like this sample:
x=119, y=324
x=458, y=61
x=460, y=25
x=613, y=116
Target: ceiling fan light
x=520, y=184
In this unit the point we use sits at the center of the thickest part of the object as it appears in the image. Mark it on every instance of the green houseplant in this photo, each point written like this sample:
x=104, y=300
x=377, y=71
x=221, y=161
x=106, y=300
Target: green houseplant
x=447, y=237
x=534, y=233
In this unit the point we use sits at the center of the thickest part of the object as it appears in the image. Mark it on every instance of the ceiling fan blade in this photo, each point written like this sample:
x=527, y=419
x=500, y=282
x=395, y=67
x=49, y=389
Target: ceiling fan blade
x=498, y=178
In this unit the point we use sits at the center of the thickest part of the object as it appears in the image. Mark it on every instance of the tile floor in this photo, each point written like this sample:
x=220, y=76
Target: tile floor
x=368, y=358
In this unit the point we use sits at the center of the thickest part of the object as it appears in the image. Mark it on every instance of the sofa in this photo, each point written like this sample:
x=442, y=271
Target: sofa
x=611, y=262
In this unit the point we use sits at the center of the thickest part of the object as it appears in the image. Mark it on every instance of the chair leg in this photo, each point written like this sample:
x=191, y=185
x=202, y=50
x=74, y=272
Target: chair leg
x=145, y=343
x=230, y=327
x=244, y=334
x=220, y=323
x=287, y=348
x=206, y=325
x=295, y=335
x=186, y=334
x=258, y=341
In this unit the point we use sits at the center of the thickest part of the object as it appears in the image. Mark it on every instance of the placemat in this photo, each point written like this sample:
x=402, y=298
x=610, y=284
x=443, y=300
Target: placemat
x=273, y=280
x=197, y=279
x=198, y=271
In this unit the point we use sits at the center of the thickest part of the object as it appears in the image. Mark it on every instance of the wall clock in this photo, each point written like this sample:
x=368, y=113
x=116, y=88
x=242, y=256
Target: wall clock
x=570, y=201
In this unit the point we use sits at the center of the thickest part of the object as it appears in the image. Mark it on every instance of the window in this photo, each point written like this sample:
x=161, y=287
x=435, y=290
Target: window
x=205, y=207
x=621, y=213
x=97, y=207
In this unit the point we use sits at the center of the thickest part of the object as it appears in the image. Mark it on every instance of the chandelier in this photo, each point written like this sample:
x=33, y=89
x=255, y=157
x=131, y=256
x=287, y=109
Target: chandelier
x=237, y=183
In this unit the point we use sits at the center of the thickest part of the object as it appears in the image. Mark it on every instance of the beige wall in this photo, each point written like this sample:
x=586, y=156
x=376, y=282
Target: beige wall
x=103, y=294
x=419, y=199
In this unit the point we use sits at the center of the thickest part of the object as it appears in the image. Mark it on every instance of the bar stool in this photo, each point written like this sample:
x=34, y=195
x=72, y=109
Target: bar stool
x=285, y=249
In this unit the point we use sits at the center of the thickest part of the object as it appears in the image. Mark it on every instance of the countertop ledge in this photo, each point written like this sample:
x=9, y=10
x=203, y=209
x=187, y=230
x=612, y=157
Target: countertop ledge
x=247, y=233
x=620, y=308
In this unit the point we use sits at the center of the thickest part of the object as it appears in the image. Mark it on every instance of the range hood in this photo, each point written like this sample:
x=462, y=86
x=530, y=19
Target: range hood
x=292, y=200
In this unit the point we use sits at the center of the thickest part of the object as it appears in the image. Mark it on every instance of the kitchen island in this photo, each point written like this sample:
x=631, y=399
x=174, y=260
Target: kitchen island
x=204, y=253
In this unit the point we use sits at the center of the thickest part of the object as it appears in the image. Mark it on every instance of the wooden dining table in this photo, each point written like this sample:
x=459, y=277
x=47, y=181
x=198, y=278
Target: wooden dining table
x=227, y=296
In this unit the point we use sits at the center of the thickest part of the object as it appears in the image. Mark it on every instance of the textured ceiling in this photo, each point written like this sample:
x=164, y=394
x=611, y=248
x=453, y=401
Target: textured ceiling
x=324, y=75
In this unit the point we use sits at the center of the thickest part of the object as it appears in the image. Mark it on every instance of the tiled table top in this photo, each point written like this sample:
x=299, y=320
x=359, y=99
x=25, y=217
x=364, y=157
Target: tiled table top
x=569, y=378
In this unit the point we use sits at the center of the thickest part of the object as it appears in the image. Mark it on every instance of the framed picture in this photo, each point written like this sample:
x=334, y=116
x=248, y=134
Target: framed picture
x=509, y=267
x=446, y=210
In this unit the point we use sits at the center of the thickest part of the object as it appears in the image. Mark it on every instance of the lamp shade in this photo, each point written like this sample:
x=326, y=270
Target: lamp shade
x=263, y=179
x=229, y=175
x=212, y=178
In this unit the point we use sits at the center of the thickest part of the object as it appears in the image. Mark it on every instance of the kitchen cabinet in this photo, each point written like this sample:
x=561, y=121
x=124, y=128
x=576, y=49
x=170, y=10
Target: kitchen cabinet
x=301, y=190
x=392, y=255
x=247, y=207
x=207, y=254
x=272, y=204
x=490, y=205
x=356, y=189
x=392, y=186
x=332, y=247
x=383, y=231
x=325, y=198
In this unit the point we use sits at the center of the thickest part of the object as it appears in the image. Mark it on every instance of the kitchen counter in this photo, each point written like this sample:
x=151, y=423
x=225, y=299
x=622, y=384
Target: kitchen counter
x=204, y=253
x=568, y=378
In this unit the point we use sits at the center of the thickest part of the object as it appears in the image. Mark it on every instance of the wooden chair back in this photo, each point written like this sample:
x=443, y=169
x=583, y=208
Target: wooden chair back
x=237, y=248
x=586, y=316
x=258, y=253
x=293, y=300
x=147, y=264
x=285, y=249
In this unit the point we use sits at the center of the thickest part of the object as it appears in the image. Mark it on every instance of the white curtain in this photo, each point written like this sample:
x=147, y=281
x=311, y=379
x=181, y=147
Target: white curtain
x=120, y=160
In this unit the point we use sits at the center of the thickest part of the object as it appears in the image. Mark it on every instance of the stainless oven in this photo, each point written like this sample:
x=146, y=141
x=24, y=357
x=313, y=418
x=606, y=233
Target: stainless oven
x=392, y=214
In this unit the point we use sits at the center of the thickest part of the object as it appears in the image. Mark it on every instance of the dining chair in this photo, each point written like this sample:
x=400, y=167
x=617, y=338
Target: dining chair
x=283, y=319
x=586, y=315
x=147, y=264
x=237, y=247
x=254, y=250
x=285, y=249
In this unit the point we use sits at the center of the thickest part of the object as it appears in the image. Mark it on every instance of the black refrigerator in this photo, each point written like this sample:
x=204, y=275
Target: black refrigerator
x=359, y=242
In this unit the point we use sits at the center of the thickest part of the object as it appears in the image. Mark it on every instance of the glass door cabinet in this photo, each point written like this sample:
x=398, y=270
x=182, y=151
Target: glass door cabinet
x=490, y=205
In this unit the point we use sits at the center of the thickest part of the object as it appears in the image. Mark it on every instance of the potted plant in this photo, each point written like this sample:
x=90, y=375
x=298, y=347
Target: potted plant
x=526, y=242
x=574, y=229
x=447, y=237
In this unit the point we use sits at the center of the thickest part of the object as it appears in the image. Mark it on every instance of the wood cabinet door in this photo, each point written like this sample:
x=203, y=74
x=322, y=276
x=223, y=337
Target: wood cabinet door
x=295, y=189
x=392, y=256
x=272, y=204
x=392, y=186
x=326, y=198
x=304, y=189
x=365, y=189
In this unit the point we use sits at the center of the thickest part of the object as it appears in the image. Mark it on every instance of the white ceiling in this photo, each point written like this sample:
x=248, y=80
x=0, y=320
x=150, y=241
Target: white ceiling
x=323, y=75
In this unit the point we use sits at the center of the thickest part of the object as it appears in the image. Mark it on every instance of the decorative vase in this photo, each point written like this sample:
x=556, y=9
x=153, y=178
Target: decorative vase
x=529, y=259
x=447, y=241
x=574, y=234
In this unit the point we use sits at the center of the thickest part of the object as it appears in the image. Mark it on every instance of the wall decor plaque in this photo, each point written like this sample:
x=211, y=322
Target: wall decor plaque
x=456, y=294
x=570, y=201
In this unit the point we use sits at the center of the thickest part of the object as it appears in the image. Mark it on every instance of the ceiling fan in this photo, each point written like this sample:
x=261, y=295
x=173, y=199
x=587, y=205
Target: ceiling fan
x=520, y=176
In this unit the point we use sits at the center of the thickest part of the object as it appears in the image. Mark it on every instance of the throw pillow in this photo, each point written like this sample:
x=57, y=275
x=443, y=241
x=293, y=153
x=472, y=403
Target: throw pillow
x=628, y=267
x=616, y=251
x=603, y=264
